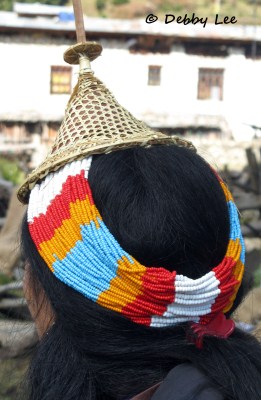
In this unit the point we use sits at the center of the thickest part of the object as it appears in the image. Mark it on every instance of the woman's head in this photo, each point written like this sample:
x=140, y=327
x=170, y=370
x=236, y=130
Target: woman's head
x=166, y=208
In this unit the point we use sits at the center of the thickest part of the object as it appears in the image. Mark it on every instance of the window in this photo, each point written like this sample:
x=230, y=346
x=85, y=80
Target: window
x=61, y=79
x=154, y=75
x=210, y=84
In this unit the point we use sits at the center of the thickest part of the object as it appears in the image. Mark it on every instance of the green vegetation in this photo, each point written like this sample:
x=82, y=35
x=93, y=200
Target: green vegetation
x=257, y=277
x=12, y=372
x=11, y=172
x=100, y=5
x=118, y=2
x=7, y=5
x=4, y=279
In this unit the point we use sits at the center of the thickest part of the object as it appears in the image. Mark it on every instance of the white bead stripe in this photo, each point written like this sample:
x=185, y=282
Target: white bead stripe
x=193, y=299
x=158, y=322
x=199, y=296
x=43, y=193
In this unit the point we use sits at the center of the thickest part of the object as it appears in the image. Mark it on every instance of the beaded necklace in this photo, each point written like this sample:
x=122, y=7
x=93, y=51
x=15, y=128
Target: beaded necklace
x=73, y=240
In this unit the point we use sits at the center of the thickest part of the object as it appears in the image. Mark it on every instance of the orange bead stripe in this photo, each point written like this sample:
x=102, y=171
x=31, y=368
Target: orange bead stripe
x=125, y=287
x=66, y=236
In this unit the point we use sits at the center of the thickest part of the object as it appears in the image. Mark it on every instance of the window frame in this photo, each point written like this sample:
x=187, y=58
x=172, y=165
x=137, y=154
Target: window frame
x=211, y=75
x=62, y=70
x=154, y=80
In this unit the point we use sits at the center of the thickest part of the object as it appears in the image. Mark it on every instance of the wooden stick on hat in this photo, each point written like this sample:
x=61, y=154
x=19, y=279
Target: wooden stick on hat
x=83, y=52
x=79, y=23
x=94, y=122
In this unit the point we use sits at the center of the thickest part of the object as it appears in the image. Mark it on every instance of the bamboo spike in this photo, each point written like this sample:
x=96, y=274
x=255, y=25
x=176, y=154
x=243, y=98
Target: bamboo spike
x=79, y=23
x=83, y=52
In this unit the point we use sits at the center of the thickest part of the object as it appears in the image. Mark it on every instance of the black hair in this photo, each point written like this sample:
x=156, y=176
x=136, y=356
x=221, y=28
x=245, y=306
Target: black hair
x=166, y=208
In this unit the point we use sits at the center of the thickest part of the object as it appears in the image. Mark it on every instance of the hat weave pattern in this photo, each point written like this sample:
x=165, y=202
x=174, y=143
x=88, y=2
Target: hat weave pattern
x=95, y=123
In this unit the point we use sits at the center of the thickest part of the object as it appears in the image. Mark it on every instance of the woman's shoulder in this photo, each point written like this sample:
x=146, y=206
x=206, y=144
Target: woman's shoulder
x=184, y=382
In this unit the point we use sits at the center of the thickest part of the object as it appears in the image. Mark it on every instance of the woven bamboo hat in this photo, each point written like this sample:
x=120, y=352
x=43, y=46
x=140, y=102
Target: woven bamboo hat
x=94, y=122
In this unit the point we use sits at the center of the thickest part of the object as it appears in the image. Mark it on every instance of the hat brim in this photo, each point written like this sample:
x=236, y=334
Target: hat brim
x=86, y=148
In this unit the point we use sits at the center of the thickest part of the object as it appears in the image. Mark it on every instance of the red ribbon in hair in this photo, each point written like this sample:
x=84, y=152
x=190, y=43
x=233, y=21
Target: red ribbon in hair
x=219, y=327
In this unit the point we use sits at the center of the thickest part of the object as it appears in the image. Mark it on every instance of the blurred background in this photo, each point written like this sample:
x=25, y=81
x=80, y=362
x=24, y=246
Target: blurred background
x=200, y=83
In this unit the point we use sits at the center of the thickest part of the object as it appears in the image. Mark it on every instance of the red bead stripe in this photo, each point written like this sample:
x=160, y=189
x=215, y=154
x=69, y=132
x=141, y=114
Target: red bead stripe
x=224, y=273
x=158, y=292
x=75, y=188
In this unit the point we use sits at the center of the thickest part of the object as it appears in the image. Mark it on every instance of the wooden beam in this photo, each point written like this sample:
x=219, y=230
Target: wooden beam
x=79, y=23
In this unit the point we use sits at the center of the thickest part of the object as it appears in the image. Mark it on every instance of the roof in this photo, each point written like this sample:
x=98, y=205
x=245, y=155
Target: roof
x=117, y=27
x=154, y=120
x=40, y=9
x=30, y=116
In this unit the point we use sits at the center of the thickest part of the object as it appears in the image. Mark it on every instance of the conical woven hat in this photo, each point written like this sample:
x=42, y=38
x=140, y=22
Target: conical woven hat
x=94, y=123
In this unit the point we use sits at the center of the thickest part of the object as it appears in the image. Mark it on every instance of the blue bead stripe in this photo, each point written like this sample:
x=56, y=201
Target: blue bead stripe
x=235, y=230
x=92, y=263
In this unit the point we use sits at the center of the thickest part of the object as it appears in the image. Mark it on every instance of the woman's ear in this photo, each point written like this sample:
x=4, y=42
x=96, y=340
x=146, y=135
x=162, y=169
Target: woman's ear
x=39, y=305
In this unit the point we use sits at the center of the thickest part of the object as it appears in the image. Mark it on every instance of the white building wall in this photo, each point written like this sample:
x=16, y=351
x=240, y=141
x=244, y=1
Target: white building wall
x=175, y=101
x=25, y=84
x=25, y=79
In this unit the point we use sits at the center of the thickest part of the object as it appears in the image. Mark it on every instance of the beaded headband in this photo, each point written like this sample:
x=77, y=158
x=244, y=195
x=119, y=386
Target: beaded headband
x=73, y=240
